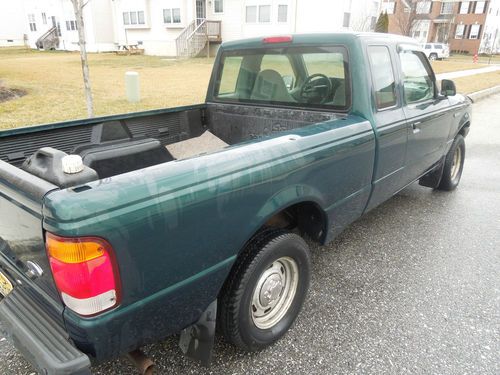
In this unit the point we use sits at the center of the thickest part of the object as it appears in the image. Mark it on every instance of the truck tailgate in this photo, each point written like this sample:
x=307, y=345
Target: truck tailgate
x=23, y=260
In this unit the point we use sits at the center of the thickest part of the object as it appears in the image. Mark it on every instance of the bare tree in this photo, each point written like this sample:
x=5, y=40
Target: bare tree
x=78, y=6
x=406, y=16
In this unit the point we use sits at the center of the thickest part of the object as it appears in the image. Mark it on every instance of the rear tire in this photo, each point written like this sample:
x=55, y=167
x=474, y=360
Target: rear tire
x=453, y=165
x=433, y=57
x=265, y=290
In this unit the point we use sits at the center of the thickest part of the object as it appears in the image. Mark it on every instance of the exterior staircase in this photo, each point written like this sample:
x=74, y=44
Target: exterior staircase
x=49, y=40
x=196, y=36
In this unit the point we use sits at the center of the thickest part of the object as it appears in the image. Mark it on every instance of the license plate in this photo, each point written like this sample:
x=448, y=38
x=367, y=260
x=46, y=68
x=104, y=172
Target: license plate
x=5, y=285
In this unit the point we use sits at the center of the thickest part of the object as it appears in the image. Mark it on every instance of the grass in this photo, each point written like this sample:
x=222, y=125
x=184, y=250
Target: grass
x=477, y=82
x=55, y=89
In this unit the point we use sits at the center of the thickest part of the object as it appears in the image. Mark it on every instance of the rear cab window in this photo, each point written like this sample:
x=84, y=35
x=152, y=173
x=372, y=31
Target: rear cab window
x=305, y=77
x=382, y=77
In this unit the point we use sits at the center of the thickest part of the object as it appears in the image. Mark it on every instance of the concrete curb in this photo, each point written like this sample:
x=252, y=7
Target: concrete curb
x=478, y=95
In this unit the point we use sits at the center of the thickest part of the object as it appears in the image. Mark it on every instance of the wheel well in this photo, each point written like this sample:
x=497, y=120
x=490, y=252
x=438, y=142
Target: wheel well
x=464, y=129
x=307, y=217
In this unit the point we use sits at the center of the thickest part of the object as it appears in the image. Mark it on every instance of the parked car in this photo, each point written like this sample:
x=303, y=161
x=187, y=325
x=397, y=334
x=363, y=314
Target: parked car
x=118, y=231
x=436, y=51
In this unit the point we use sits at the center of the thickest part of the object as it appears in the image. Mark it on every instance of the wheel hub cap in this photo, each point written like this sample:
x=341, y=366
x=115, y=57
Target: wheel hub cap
x=271, y=290
x=274, y=292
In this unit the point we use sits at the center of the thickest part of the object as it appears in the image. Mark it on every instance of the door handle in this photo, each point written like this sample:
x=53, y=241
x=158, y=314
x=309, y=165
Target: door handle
x=415, y=127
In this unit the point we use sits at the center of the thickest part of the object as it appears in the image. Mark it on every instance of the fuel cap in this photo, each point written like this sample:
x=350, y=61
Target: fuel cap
x=72, y=164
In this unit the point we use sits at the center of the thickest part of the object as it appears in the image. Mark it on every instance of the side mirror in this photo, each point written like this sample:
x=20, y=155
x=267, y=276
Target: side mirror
x=288, y=82
x=448, y=88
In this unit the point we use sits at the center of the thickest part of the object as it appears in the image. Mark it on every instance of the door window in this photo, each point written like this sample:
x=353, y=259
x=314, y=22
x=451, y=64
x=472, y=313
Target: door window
x=417, y=82
x=383, y=77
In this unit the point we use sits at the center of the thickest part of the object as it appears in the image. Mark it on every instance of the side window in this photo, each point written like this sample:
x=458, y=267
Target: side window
x=230, y=74
x=383, y=76
x=417, y=82
x=282, y=65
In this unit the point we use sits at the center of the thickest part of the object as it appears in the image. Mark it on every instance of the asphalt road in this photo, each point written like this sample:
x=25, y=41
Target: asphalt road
x=412, y=287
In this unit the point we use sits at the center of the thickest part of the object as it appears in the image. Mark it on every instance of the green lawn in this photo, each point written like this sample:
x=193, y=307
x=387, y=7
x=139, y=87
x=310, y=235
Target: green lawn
x=55, y=90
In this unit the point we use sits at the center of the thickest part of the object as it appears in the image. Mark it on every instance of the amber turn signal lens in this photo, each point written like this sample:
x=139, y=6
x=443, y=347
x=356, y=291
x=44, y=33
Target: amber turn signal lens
x=74, y=250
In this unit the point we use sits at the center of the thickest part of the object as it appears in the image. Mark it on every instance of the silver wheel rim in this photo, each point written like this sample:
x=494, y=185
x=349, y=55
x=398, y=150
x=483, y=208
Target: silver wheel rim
x=457, y=161
x=274, y=293
x=433, y=57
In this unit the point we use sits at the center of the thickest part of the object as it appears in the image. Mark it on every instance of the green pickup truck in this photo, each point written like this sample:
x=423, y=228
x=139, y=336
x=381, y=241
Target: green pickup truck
x=119, y=231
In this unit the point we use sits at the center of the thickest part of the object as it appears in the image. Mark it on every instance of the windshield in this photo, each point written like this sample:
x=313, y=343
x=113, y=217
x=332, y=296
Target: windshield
x=293, y=76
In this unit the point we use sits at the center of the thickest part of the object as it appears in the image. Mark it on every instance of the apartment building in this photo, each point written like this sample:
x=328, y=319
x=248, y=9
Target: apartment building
x=178, y=27
x=490, y=42
x=461, y=24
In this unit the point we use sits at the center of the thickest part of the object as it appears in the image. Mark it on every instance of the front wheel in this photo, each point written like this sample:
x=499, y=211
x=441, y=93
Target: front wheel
x=453, y=165
x=265, y=291
x=433, y=57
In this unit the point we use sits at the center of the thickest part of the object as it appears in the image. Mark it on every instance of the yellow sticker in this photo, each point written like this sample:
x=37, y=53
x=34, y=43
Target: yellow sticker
x=5, y=285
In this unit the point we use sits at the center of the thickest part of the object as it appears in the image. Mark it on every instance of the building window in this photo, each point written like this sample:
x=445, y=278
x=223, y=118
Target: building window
x=423, y=7
x=172, y=15
x=251, y=14
x=32, y=22
x=44, y=18
x=474, y=31
x=480, y=7
x=464, y=7
x=447, y=8
x=134, y=18
x=347, y=19
x=389, y=7
x=459, y=31
x=71, y=26
x=218, y=6
x=282, y=13
x=264, y=13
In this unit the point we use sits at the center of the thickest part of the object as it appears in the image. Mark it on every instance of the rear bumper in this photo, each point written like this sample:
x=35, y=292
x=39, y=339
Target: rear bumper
x=41, y=340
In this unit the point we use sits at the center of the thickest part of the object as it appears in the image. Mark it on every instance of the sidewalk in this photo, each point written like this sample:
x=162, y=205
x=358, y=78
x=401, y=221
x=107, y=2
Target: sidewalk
x=469, y=72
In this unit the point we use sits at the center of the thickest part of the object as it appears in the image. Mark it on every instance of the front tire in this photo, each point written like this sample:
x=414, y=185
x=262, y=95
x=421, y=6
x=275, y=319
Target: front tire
x=265, y=291
x=453, y=165
x=433, y=57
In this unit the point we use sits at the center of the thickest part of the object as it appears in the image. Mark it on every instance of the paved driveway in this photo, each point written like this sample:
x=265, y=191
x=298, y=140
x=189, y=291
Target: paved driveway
x=413, y=287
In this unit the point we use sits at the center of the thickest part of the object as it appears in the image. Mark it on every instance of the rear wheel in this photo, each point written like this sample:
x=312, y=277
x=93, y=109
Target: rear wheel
x=265, y=291
x=453, y=165
x=433, y=56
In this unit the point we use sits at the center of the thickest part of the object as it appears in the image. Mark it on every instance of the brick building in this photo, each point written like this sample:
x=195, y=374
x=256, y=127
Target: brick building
x=458, y=23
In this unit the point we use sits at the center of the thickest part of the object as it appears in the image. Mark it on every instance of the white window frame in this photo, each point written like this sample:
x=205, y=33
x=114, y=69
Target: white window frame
x=460, y=31
x=258, y=7
x=424, y=7
x=448, y=7
x=44, y=18
x=128, y=15
x=32, y=22
x=256, y=14
x=286, y=13
x=213, y=6
x=171, y=12
x=270, y=13
x=483, y=3
x=476, y=27
x=464, y=7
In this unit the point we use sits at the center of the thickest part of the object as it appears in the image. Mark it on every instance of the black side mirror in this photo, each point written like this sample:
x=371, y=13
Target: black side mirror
x=448, y=88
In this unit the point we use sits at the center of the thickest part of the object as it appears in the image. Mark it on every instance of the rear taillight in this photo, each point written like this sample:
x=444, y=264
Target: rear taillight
x=84, y=272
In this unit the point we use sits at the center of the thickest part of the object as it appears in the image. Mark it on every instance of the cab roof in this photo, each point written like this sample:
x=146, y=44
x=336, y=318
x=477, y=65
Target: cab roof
x=345, y=38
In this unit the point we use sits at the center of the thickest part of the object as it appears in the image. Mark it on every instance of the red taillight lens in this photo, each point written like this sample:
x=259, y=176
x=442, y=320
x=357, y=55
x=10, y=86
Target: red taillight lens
x=84, y=272
x=278, y=39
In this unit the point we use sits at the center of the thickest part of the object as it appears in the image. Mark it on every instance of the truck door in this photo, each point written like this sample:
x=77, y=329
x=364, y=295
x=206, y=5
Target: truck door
x=428, y=117
x=390, y=125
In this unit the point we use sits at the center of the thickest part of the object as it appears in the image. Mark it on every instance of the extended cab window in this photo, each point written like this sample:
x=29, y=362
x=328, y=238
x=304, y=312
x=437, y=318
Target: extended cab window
x=291, y=76
x=382, y=77
x=417, y=82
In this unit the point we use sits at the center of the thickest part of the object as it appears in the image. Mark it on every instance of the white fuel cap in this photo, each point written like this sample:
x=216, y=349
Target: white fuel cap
x=72, y=164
